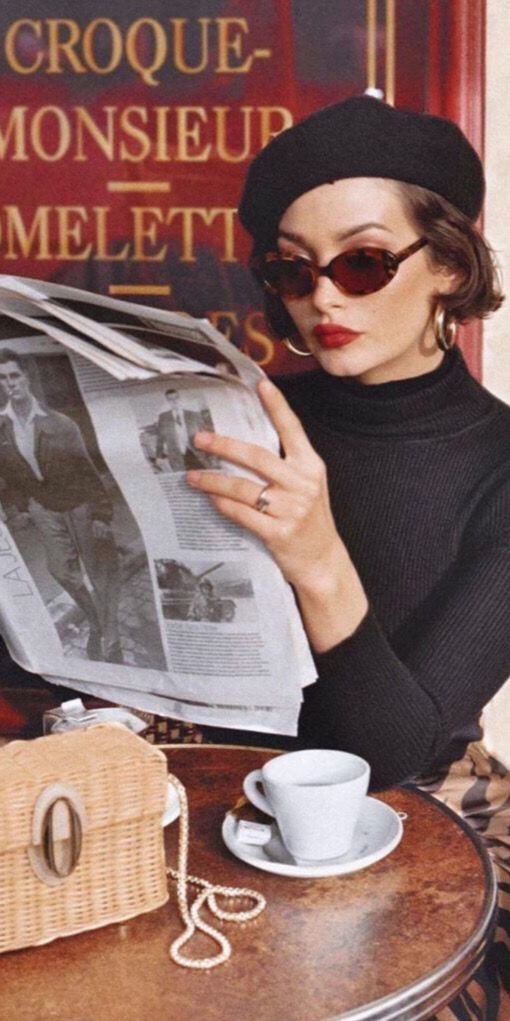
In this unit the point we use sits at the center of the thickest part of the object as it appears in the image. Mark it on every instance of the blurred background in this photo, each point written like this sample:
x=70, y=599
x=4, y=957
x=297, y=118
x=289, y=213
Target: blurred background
x=126, y=129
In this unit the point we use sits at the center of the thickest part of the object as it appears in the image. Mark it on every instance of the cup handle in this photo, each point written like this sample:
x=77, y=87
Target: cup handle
x=253, y=794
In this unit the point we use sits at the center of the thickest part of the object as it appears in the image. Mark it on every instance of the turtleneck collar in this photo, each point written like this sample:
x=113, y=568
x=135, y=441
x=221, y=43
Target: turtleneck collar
x=398, y=387
x=436, y=402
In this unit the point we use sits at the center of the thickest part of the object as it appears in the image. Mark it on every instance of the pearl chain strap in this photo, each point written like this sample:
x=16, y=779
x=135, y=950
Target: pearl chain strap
x=191, y=916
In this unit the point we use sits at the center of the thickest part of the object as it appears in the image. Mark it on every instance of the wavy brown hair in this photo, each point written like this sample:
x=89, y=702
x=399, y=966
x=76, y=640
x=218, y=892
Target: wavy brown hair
x=453, y=241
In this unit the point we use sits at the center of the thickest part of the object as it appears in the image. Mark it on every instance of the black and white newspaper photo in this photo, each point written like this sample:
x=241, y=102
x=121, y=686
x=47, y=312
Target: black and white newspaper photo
x=166, y=438
x=69, y=520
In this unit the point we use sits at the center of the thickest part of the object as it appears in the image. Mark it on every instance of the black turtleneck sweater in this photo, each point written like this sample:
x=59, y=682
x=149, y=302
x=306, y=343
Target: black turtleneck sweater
x=419, y=479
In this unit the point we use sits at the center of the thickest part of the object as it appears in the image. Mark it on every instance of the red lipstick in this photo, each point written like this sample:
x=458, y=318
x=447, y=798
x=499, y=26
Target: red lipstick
x=331, y=335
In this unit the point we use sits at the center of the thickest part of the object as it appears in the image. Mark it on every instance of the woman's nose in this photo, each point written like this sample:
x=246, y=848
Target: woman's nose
x=326, y=294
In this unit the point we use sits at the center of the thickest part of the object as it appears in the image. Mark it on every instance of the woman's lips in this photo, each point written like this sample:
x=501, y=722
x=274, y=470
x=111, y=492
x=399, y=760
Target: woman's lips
x=330, y=335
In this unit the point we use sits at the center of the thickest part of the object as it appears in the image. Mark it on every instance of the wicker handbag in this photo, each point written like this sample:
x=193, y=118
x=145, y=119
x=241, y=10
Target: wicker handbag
x=81, y=840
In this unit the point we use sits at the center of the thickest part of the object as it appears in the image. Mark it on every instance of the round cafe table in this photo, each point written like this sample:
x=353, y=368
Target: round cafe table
x=394, y=941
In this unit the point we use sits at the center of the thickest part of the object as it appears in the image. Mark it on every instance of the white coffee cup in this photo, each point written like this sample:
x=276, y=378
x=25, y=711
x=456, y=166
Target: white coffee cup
x=316, y=796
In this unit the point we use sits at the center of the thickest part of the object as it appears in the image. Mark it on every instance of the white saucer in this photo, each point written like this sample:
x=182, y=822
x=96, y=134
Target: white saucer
x=172, y=807
x=378, y=832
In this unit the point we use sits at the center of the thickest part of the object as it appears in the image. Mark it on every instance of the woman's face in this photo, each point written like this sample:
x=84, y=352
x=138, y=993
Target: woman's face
x=396, y=338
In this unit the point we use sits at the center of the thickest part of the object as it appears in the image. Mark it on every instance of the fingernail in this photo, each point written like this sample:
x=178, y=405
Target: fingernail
x=202, y=439
x=193, y=477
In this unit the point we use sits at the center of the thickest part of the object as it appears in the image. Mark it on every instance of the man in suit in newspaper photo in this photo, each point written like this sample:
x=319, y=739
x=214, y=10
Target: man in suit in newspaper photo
x=174, y=428
x=46, y=473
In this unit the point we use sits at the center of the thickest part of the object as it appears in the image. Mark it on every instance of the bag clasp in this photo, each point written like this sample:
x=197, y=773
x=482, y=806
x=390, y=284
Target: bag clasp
x=57, y=831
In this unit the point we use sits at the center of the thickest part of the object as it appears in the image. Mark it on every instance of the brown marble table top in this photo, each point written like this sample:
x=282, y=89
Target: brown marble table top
x=396, y=940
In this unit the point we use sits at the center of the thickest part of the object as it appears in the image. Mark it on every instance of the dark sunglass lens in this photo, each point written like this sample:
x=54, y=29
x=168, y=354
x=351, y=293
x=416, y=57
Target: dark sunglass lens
x=291, y=278
x=361, y=271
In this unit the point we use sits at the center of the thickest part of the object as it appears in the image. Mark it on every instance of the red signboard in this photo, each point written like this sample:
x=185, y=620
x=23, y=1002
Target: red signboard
x=126, y=130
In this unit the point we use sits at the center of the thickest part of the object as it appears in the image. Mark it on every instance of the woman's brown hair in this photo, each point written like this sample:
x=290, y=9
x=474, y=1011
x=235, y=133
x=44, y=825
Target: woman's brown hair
x=454, y=241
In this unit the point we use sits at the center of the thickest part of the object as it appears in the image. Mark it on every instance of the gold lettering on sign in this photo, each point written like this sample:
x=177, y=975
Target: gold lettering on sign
x=231, y=42
x=208, y=217
x=58, y=46
x=101, y=216
x=267, y=131
x=105, y=140
x=16, y=127
x=10, y=46
x=21, y=239
x=187, y=133
x=161, y=154
x=115, y=45
x=138, y=134
x=80, y=232
x=134, y=131
x=221, y=113
x=145, y=230
x=159, y=46
x=256, y=338
x=47, y=114
x=144, y=186
x=179, y=27
x=70, y=221
x=122, y=290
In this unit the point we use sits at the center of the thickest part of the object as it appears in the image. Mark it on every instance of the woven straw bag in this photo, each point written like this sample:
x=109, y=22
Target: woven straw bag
x=81, y=839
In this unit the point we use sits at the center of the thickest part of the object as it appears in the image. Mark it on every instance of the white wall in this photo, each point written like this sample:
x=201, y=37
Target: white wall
x=496, y=359
x=496, y=343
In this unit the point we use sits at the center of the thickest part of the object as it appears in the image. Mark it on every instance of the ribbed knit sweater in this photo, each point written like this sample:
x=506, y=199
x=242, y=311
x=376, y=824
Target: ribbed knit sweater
x=419, y=479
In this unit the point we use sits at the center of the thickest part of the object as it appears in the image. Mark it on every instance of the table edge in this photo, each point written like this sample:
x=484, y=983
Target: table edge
x=391, y=1008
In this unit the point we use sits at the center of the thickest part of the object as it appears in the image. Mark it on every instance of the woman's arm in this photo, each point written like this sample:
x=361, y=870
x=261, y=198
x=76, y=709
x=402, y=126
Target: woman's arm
x=395, y=699
x=398, y=699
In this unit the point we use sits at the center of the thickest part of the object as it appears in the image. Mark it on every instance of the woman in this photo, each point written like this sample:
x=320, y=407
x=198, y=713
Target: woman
x=389, y=509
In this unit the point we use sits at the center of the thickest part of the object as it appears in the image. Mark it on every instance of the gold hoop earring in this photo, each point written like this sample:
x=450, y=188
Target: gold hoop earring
x=445, y=328
x=296, y=350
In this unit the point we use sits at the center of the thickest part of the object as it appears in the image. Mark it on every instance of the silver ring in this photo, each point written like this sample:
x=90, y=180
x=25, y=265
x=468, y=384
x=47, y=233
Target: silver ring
x=262, y=503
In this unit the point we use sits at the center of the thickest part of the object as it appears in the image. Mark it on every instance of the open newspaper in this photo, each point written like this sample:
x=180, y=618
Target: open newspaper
x=116, y=577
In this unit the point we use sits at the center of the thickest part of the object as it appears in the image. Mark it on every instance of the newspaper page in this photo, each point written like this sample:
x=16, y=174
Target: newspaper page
x=117, y=578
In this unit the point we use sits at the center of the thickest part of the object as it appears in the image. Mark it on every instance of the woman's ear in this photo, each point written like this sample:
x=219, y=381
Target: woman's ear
x=448, y=279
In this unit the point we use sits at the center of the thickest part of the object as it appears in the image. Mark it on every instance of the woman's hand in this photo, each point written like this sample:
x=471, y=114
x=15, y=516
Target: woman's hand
x=298, y=526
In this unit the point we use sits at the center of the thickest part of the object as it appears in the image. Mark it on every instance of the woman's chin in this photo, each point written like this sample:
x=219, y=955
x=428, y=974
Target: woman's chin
x=344, y=361
x=360, y=360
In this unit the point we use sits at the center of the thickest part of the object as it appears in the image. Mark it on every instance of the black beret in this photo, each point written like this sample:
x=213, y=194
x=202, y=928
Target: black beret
x=360, y=137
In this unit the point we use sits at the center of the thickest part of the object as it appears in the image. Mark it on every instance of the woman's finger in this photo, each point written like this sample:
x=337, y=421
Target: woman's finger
x=235, y=487
x=261, y=525
x=294, y=440
x=249, y=455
